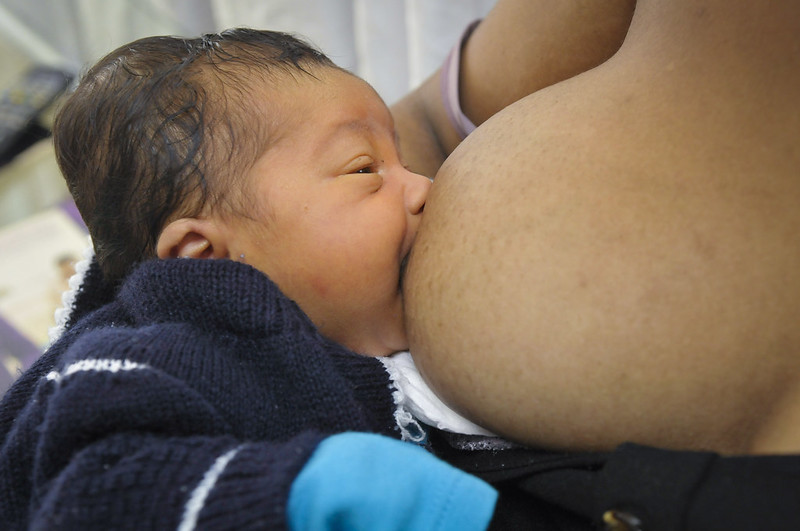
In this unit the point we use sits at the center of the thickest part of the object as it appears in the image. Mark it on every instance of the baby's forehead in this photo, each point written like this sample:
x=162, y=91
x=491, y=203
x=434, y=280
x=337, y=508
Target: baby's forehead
x=327, y=100
x=265, y=111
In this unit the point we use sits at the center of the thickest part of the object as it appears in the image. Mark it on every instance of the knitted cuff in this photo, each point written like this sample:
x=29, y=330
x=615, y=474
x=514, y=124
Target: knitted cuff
x=252, y=483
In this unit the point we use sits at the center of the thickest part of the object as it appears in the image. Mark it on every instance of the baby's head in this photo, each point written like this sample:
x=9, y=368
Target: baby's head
x=252, y=146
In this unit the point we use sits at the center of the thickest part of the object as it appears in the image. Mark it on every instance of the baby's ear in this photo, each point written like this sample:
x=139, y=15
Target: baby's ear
x=191, y=238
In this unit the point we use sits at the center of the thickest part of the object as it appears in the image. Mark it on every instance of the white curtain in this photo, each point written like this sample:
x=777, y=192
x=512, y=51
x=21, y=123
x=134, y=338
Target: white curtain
x=393, y=44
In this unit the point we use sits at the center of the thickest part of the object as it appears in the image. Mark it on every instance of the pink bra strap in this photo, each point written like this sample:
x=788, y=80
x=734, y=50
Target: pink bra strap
x=449, y=86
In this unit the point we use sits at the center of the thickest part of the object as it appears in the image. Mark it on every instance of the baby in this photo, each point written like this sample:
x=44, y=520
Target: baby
x=250, y=216
x=283, y=160
x=254, y=148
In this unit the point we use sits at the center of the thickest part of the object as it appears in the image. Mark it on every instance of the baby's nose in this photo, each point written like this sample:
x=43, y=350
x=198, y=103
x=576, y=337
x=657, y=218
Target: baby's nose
x=416, y=191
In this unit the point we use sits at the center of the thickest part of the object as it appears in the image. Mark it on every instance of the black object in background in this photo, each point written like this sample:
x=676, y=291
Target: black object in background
x=22, y=104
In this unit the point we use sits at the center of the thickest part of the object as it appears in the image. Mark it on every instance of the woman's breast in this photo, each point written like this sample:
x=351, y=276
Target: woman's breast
x=589, y=245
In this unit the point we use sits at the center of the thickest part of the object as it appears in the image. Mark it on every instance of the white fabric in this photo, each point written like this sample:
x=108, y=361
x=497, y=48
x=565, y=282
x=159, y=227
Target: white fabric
x=412, y=394
x=62, y=313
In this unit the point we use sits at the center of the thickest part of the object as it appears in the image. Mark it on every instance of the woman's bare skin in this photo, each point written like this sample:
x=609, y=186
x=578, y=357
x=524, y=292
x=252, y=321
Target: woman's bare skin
x=615, y=257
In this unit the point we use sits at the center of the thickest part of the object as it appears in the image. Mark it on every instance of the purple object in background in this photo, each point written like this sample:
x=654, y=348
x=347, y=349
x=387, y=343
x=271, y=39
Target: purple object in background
x=68, y=206
x=14, y=345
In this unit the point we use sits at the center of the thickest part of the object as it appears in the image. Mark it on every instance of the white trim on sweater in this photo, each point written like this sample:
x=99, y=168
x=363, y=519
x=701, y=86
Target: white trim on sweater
x=97, y=365
x=198, y=498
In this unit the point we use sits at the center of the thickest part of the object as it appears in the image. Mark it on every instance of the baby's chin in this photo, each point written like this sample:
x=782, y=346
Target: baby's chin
x=392, y=339
x=383, y=348
x=378, y=330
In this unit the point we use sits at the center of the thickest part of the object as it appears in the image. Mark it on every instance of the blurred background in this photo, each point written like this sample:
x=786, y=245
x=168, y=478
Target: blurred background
x=46, y=44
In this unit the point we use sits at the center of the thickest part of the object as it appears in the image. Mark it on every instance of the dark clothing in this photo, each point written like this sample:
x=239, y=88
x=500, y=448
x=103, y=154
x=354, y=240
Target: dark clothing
x=192, y=363
x=197, y=366
x=635, y=487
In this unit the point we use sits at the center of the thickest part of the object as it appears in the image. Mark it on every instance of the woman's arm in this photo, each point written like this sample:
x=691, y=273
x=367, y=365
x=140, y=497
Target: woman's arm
x=520, y=47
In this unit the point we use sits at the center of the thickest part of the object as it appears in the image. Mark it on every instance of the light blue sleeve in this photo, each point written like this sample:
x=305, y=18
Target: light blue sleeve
x=361, y=481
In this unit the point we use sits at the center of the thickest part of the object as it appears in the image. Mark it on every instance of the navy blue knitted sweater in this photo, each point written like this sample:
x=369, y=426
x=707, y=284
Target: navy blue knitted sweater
x=193, y=397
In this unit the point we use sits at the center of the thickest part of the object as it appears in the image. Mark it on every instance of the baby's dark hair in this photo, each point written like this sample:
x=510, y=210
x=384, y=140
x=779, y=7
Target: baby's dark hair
x=162, y=128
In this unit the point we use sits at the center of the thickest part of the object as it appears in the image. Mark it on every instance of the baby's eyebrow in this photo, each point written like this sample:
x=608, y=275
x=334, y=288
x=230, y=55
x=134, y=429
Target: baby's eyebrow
x=338, y=131
x=360, y=125
x=346, y=127
x=356, y=126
